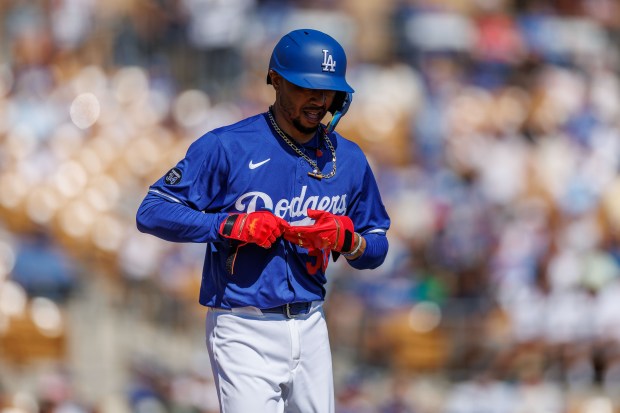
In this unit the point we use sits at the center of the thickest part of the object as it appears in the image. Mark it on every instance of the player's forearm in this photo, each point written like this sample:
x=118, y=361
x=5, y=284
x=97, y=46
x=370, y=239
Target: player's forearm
x=176, y=222
x=374, y=253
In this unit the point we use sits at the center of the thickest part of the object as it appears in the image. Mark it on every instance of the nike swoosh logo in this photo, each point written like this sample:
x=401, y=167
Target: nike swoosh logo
x=256, y=165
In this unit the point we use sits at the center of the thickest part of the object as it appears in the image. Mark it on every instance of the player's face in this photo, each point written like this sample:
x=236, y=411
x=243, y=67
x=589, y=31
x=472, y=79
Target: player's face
x=299, y=111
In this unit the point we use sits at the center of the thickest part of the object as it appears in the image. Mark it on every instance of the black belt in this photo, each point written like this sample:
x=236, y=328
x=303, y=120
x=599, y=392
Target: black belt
x=289, y=310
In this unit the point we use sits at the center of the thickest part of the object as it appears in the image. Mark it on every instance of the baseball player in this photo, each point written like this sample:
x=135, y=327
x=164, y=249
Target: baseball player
x=275, y=197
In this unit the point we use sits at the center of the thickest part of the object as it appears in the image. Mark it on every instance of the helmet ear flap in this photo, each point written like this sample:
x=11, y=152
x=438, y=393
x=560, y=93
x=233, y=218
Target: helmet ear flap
x=338, y=102
x=339, y=107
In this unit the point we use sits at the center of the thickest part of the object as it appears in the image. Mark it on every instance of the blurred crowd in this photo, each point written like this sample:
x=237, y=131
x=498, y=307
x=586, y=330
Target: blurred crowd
x=493, y=127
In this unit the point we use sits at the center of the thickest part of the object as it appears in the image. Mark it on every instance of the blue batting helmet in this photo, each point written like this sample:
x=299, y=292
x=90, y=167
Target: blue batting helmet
x=311, y=59
x=314, y=60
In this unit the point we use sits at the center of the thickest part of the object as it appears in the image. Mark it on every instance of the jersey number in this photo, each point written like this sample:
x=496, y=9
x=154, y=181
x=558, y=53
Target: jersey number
x=321, y=259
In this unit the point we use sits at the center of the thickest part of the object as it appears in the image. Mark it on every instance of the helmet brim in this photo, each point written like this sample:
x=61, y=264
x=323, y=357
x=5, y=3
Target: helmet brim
x=315, y=81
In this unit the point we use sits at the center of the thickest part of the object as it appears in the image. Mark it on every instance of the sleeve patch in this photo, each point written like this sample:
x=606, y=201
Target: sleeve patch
x=173, y=176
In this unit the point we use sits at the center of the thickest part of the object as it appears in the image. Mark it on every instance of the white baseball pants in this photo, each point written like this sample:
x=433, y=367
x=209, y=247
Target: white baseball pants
x=267, y=363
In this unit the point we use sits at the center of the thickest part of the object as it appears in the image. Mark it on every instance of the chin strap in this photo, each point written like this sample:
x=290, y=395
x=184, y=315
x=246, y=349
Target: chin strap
x=339, y=113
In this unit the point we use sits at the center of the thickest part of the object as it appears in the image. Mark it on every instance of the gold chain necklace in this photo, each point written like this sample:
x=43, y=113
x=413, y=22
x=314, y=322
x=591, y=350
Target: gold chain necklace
x=316, y=173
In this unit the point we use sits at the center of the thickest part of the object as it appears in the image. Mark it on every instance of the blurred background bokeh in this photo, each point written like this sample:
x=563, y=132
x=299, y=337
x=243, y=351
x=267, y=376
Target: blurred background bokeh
x=493, y=127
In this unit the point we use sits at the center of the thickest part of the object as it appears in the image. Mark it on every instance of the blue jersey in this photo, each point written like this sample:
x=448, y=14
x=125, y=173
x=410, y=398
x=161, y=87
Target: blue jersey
x=247, y=167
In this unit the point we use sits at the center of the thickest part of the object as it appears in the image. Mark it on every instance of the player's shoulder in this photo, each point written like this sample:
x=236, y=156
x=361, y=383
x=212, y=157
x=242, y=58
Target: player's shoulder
x=232, y=135
x=344, y=144
x=251, y=124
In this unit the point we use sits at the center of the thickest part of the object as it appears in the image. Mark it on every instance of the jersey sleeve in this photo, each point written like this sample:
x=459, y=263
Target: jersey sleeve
x=366, y=209
x=199, y=180
x=371, y=220
x=183, y=205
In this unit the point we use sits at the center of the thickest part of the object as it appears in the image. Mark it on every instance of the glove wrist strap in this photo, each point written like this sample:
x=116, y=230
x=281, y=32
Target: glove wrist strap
x=355, y=250
x=228, y=225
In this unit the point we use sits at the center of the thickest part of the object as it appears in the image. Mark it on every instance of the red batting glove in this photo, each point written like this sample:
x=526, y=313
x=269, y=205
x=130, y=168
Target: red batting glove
x=329, y=231
x=261, y=228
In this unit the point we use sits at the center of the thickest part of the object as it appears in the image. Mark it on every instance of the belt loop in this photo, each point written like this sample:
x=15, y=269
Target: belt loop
x=287, y=307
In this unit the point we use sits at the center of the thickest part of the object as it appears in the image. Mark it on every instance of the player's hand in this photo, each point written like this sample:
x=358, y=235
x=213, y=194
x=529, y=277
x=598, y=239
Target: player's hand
x=329, y=231
x=261, y=228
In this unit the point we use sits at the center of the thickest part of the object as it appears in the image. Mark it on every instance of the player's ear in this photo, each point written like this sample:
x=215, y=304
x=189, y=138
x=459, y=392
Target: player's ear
x=275, y=79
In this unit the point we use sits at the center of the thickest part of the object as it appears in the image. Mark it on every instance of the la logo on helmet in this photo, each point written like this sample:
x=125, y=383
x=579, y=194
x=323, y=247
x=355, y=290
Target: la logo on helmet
x=329, y=64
